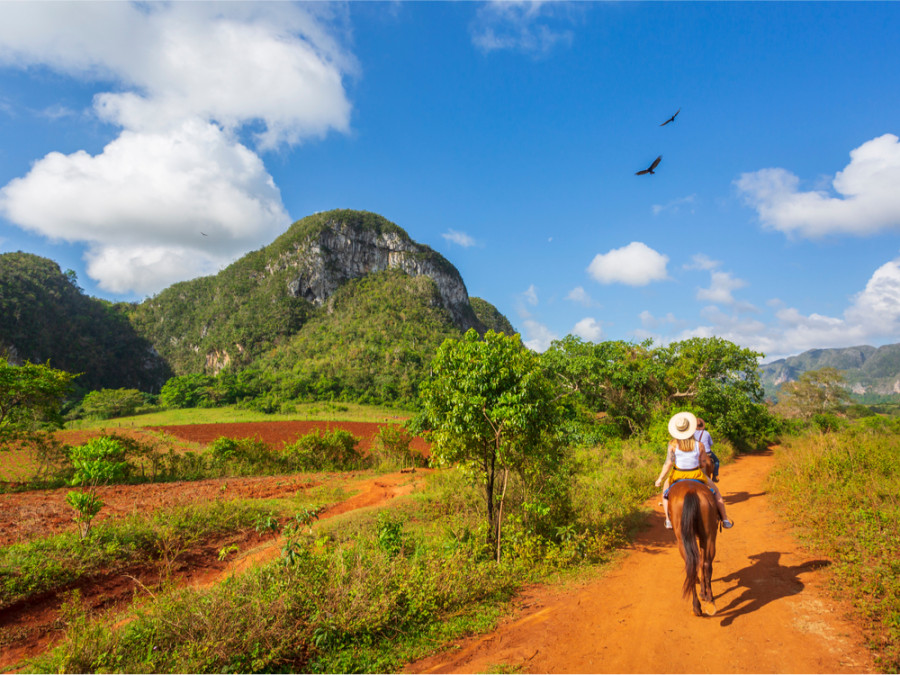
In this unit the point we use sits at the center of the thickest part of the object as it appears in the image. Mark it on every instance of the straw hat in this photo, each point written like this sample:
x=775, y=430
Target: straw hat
x=682, y=425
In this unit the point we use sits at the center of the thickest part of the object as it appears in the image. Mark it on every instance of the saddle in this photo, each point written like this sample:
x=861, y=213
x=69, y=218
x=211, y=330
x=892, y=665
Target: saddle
x=666, y=493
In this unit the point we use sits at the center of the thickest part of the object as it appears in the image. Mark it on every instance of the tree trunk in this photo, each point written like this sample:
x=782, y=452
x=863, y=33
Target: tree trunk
x=500, y=511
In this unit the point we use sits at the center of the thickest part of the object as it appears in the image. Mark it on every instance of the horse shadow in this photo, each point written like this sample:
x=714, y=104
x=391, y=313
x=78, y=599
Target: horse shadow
x=764, y=581
x=738, y=497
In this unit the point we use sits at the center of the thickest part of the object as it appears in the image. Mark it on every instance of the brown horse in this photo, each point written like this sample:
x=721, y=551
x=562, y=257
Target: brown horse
x=695, y=520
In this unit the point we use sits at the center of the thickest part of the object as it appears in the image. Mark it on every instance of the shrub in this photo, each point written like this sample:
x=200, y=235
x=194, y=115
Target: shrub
x=334, y=450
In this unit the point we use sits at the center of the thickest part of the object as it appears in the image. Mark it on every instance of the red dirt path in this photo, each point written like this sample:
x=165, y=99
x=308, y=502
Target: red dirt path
x=774, y=612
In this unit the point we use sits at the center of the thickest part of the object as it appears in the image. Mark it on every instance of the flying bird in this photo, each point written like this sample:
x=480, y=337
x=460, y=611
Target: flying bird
x=204, y=234
x=650, y=168
x=671, y=119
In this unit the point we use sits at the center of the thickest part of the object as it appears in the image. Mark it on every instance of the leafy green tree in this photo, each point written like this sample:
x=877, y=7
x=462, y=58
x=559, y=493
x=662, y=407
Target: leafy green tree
x=489, y=407
x=719, y=381
x=622, y=379
x=98, y=462
x=187, y=391
x=108, y=403
x=31, y=396
x=815, y=392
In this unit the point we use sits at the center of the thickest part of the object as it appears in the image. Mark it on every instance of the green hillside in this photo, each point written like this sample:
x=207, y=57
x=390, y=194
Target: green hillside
x=47, y=317
x=344, y=304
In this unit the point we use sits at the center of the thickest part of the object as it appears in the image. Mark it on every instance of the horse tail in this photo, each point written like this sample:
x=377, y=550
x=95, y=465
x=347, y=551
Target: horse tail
x=690, y=514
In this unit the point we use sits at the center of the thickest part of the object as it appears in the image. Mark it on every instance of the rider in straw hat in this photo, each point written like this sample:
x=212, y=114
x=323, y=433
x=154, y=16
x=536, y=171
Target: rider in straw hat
x=687, y=455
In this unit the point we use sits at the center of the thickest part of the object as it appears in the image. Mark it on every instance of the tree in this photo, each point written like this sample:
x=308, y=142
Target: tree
x=815, y=392
x=719, y=381
x=31, y=395
x=108, y=403
x=489, y=406
x=98, y=462
x=622, y=379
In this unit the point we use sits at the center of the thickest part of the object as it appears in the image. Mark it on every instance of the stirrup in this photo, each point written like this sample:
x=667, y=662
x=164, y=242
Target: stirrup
x=727, y=524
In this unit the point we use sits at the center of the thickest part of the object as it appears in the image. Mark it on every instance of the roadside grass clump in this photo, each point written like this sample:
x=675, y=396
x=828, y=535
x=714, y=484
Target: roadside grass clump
x=842, y=488
x=52, y=563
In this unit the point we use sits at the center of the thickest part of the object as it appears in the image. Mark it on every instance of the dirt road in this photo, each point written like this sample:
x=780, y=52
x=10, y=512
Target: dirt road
x=774, y=614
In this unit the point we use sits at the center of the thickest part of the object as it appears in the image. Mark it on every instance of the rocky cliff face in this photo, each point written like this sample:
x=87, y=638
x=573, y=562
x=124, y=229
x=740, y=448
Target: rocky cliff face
x=340, y=251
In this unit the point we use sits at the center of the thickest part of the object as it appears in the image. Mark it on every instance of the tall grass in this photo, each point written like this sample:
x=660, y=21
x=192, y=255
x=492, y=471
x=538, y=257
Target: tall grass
x=844, y=490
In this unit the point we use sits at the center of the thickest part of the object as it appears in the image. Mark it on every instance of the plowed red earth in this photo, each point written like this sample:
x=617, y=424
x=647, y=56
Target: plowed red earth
x=29, y=628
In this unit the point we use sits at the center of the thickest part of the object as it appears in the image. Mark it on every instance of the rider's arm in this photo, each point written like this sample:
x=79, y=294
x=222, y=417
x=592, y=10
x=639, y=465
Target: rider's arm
x=670, y=460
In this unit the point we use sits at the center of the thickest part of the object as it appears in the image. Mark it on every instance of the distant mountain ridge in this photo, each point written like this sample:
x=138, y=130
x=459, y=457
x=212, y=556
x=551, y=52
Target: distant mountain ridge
x=870, y=372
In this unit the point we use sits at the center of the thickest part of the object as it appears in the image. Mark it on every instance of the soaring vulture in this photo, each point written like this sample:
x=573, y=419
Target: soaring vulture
x=671, y=119
x=651, y=167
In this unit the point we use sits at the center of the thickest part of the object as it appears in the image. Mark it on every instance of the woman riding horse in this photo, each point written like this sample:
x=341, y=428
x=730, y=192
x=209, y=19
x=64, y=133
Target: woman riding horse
x=687, y=456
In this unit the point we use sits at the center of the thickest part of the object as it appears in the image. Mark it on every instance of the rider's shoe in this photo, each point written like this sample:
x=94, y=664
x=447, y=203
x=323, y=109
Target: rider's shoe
x=715, y=479
x=727, y=524
x=669, y=524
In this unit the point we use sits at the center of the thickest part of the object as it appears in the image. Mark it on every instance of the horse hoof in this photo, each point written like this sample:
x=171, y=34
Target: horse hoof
x=709, y=608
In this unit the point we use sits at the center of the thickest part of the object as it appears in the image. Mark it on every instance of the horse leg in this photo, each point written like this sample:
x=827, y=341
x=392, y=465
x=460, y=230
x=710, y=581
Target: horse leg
x=709, y=554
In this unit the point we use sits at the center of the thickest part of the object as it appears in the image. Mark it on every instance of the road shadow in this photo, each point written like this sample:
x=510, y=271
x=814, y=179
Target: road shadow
x=762, y=582
x=738, y=497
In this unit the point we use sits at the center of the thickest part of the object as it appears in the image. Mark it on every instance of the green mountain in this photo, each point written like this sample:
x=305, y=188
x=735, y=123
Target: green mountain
x=45, y=316
x=872, y=373
x=344, y=302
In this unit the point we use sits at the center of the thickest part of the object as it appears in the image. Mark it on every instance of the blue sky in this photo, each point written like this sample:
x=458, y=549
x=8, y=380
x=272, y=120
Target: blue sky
x=504, y=135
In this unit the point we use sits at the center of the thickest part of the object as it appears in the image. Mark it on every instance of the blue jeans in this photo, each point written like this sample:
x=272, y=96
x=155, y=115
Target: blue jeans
x=715, y=460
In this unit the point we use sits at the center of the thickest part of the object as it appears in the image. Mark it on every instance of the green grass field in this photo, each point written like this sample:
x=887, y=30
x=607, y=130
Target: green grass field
x=331, y=412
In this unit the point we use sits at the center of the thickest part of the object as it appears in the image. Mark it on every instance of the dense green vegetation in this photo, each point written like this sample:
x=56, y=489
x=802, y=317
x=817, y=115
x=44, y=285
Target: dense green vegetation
x=638, y=387
x=31, y=397
x=490, y=317
x=366, y=592
x=373, y=343
x=841, y=489
x=46, y=317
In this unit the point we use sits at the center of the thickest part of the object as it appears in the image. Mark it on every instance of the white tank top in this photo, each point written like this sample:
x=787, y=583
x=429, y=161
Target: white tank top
x=687, y=461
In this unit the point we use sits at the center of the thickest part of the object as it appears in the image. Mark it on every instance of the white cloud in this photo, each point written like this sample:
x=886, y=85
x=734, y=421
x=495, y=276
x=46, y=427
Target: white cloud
x=873, y=317
x=581, y=296
x=460, y=238
x=868, y=198
x=530, y=295
x=182, y=81
x=151, y=212
x=652, y=322
x=589, y=328
x=701, y=261
x=675, y=205
x=537, y=336
x=635, y=265
x=521, y=26
x=720, y=287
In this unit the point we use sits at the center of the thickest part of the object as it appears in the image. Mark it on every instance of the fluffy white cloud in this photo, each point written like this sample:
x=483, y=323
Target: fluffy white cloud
x=193, y=202
x=460, y=238
x=521, y=26
x=589, y=328
x=531, y=296
x=537, y=336
x=581, y=296
x=720, y=287
x=635, y=265
x=868, y=198
x=873, y=317
x=183, y=80
x=273, y=63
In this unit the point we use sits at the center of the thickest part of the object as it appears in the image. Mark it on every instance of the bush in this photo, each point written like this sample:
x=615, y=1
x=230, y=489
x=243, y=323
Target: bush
x=391, y=448
x=334, y=450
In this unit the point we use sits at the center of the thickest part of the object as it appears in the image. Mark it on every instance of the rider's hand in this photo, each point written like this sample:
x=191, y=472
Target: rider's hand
x=657, y=482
